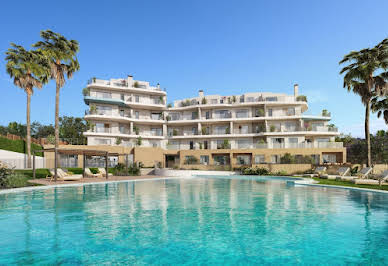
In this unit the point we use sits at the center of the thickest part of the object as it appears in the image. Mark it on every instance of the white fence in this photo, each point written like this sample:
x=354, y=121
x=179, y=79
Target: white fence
x=19, y=160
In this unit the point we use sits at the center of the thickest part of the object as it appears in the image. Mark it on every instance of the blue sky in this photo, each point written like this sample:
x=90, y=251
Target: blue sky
x=222, y=47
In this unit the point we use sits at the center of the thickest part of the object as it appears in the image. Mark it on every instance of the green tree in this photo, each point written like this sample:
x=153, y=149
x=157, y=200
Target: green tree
x=365, y=75
x=380, y=106
x=29, y=71
x=61, y=55
x=71, y=129
x=41, y=131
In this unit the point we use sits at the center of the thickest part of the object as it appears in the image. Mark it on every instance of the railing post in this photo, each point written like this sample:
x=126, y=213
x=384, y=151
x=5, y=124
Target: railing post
x=33, y=165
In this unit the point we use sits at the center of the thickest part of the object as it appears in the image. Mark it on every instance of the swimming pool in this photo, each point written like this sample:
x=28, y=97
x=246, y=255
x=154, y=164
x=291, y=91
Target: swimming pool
x=228, y=220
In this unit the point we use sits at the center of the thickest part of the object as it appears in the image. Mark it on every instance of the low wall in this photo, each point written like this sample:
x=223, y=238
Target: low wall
x=290, y=169
x=19, y=160
x=146, y=171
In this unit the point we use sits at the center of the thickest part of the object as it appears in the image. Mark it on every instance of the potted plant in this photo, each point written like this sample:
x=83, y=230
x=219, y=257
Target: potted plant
x=272, y=128
x=204, y=101
x=136, y=129
x=93, y=109
x=175, y=132
x=118, y=141
x=139, y=141
x=136, y=84
x=86, y=91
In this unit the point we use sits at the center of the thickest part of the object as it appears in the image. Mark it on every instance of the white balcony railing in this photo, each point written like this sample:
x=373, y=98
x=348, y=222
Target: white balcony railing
x=122, y=83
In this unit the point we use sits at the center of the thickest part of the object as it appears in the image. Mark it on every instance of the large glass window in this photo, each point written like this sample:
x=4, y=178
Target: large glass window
x=222, y=114
x=156, y=131
x=68, y=160
x=99, y=161
x=101, y=141
x=329, y=158
x=104, y=110
x=244, y=129
x=293, y=142
x=275, y=158
x=242, y=114
x=102, y=128
x=243, y=159
x=221, y=159
x=204, y=159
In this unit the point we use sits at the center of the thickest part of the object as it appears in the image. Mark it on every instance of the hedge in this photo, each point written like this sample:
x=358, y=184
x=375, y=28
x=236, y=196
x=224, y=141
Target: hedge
x=40, y=173
x=18, y=146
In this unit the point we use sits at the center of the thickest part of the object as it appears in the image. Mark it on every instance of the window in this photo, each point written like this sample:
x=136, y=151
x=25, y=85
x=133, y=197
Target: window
x=99, y=161
x=68, y=160
x=242, y=114
x=220, y=130
x=191, y=145
x=293, y=142
x=194, y=131
x=174, y=116
x=156, y=132
x=260, y=158
x=204, y=159
x=137, y=98
x=214, y=101
x=278, y=143
x=290, y=111
x=269, y=112
x=275, y=158
x=271, y=99
x=205, y=145
x=244, y=129
x=156, y=116
x=194, y=115
x=243, y=159
x=250, y=99
x=222, y=114
x=104, y=110
x=137, y=114
x=290, y=126
x=329, y=158
x=207, y=115
x=102, y=128
x=122, y=97
x=121, y=112
x=122, y=129
x=221, y=159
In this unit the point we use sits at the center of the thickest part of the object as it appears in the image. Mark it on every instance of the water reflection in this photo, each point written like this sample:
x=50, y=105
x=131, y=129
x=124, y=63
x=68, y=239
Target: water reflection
x=139, y=221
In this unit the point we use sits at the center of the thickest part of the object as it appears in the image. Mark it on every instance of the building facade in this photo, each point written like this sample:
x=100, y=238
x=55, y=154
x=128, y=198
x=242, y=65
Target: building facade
x=208, y=130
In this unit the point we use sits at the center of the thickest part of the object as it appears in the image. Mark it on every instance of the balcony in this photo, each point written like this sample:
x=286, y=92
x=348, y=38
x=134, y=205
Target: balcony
x=123, y=84
x=304, y=145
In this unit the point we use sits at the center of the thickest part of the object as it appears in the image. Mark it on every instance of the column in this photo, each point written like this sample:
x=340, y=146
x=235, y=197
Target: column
x=131, y=128
x=164, y=130
x=231, y=127
x=199, y=129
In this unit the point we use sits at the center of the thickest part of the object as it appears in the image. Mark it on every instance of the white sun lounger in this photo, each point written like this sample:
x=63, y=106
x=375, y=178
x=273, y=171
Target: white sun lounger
x=89, y=173
x=62, y=175
x=342, y=171
x=103, y=172
x=317, y=172
x=383, y=176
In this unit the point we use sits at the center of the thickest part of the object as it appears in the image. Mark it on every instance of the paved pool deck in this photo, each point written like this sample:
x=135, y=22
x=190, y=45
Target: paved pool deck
x=86, y=180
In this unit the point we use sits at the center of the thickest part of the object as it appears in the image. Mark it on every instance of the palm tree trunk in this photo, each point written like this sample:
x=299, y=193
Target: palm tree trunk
x=367, y=134
x=56, y=128
x=28, y=137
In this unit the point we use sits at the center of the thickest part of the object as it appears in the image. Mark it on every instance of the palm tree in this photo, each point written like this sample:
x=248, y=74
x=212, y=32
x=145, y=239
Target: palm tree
x=380, y=105
x=361, y=78
x=28, y=70
x=61, y=55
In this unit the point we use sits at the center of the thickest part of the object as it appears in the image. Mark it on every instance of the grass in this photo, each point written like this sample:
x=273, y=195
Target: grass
x=348, y=184
x=18, y=146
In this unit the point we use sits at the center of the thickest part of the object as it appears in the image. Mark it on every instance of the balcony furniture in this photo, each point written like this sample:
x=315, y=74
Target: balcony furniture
x=89, y=173
x=102, y=171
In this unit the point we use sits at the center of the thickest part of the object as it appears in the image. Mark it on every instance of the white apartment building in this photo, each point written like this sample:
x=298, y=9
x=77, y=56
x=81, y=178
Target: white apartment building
x=132, y=113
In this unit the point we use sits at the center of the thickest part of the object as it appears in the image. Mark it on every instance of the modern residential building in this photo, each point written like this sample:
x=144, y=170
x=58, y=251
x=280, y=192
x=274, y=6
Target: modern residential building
x=208, y=130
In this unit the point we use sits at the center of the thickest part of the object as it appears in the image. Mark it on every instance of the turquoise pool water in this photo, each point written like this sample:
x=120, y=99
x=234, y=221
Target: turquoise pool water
x=194, y=221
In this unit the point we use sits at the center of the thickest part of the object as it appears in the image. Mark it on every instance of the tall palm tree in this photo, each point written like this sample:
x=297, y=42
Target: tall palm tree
x=62, y=58
x=366, y=76
x=380, y=105
x=28, y=70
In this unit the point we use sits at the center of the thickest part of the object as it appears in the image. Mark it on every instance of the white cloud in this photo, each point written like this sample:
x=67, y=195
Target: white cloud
x=357, y=130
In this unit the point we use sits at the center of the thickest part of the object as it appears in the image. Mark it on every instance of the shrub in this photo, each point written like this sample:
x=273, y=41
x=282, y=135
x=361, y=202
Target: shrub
x=301, y=98
x=254, y=171
x=169, y=105
x=204, y=101
x=15, y=180
x=280, y=173
x=86, y=91
x=287, y=158
x=39, y=173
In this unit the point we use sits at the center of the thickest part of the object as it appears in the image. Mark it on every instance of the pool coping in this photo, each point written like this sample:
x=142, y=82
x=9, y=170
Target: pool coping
x=22, y=189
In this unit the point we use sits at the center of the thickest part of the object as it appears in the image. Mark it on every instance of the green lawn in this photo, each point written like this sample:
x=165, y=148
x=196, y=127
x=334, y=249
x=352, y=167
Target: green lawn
x=348, y=184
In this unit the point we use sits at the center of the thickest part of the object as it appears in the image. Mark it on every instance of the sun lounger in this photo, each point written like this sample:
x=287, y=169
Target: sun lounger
x=365, y=172
x=62, y=175
x=342, y=171
x=317, y=172
x=89, y=173
x=103, y=172
x=383, y=177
